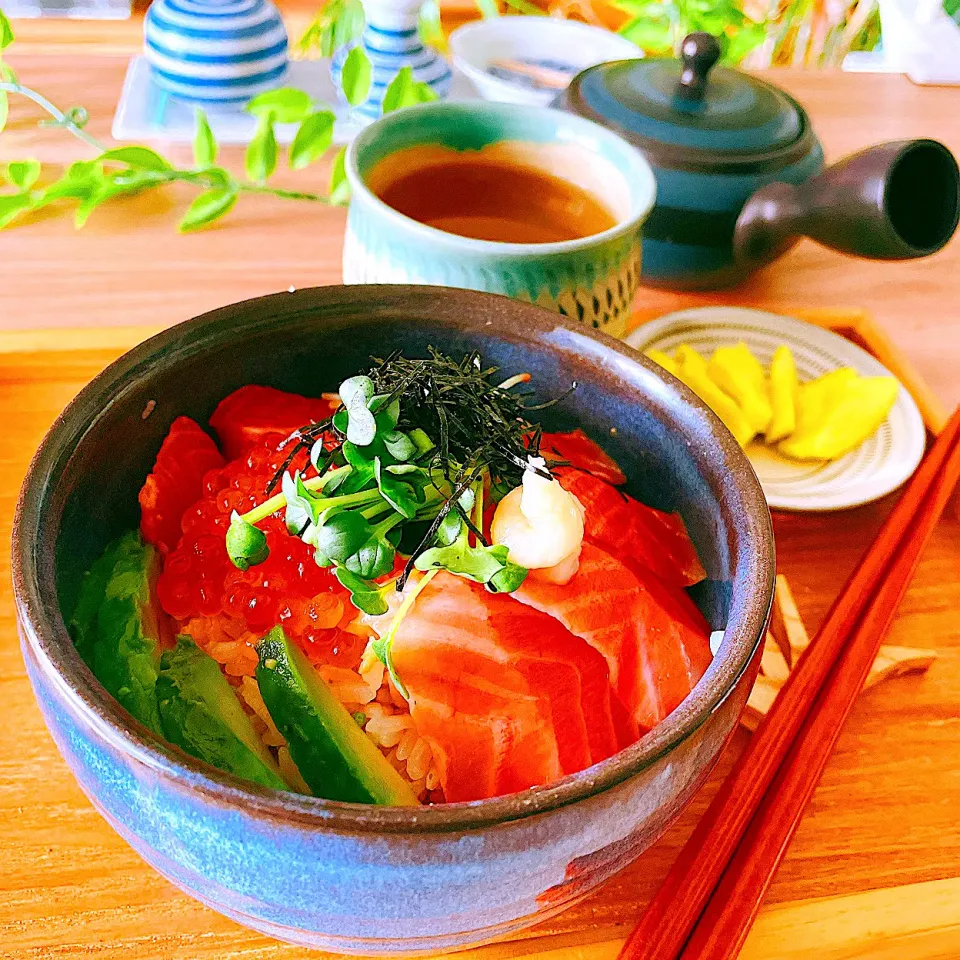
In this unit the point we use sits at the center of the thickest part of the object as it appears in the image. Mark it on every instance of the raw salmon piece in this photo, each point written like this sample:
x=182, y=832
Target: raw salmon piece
x=656, y=647
x=641, y=536
x=583, y=454
x=176, y=482
x=253, y=414
x=505, y=695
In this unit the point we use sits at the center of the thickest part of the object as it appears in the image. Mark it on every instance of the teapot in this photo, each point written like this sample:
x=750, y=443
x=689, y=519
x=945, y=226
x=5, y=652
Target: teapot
x=740, y=172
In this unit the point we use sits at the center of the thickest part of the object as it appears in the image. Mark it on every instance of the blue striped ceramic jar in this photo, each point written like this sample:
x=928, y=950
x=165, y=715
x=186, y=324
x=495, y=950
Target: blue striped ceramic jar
x=392, y=41
x=215, y=52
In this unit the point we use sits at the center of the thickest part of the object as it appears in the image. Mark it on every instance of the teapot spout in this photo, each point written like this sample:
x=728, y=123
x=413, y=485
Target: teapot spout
x=895, y=201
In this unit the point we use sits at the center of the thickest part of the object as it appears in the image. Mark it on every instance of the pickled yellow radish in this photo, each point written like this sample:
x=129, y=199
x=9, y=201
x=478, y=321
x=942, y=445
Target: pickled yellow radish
x=692, y=370
x=739, y=374
x=783, y=395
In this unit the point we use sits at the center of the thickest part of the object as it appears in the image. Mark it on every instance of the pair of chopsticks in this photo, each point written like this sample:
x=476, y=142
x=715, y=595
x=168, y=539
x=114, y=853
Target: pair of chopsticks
x=713, y=892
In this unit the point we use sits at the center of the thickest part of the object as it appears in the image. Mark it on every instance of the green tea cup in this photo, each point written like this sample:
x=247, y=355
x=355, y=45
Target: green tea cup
x=592, y=278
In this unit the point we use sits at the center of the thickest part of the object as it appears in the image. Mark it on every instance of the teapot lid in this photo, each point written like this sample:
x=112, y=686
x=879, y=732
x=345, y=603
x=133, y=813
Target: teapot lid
x=687, y=111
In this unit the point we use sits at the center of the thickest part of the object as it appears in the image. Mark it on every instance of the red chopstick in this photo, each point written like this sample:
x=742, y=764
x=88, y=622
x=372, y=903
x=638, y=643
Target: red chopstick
x=667, y=922
x=723, y=926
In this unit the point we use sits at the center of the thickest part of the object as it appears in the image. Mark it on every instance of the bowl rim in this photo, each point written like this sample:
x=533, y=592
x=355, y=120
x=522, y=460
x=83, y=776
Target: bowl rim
x=46, y=638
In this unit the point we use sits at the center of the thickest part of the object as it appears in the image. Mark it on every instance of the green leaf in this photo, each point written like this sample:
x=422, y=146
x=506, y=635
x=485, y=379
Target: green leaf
x=12, y=206
x=651, y=34
x=246, y=545
x=261, y=155
x=480, y=564
x=339, y=185
x=23, y=173
x=399, y=445
x=387, y=416
x=4, y=109
x=301, y=512
x=142, y=157
x=421, y=441
x=364, y=595
x=431, y=28
x=356, y=76
x=356, y=393
x=286, y=105
x=374, y=559
x=204, y=144
x=743, y=42
x=507, y=580
x=342, y=535
x=209, y=206
x=80, y=181
x=404, y=91
x=488, y=8
x=313, y=139
x=400, y=495
x=6, y=31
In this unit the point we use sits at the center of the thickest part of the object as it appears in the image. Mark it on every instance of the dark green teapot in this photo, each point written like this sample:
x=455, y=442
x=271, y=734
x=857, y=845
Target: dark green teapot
x=740, y=172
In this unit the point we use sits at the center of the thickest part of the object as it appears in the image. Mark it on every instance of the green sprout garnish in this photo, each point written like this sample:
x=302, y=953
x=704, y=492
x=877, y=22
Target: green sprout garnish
x=408, y=459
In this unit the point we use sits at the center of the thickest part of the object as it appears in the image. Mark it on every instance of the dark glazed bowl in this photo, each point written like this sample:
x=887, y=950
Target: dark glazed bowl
x=341, y=876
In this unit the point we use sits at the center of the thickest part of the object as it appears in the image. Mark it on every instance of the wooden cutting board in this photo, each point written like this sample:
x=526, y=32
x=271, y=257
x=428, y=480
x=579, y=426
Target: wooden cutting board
x=874, y=871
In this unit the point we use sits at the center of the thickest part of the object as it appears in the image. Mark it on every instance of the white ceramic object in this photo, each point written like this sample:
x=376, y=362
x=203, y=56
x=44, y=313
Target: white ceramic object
x=391, y=41
x=538, y=41
x=215, y=53
x=877, y=467
x=921, y=40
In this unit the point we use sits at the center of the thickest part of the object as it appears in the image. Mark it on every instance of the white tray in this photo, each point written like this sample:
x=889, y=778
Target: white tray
x=147, y=113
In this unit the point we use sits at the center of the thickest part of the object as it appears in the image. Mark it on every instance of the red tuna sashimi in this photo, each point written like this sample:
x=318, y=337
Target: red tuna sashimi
x=656, y=646
x=176, y=482
x=252, y=415
x=642, y=536
x=505, y=695
x=582, y=453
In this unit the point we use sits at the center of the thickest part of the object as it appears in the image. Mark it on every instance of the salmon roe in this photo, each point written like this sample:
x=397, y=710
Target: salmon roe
x=288, y=588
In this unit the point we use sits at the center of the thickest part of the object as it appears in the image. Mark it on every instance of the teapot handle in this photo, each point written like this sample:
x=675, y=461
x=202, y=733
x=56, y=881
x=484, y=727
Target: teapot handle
x=894, y=201
x=699, y=54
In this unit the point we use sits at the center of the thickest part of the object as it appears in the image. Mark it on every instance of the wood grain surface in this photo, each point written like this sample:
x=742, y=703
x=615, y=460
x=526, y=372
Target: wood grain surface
x=875, y=869
x=873, y=873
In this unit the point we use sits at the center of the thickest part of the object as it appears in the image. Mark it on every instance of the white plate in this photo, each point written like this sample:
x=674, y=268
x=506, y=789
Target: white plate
x=878, y=466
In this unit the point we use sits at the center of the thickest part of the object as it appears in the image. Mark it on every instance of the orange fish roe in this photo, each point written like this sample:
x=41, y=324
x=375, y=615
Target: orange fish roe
x=200, y=587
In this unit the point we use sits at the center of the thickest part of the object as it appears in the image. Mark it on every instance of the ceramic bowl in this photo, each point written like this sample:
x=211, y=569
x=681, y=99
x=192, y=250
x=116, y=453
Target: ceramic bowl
x=216, y=54
x=348, y=877
x=566, y=46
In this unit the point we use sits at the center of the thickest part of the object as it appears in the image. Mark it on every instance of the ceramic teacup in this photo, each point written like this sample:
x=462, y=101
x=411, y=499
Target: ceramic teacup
x=591, y=278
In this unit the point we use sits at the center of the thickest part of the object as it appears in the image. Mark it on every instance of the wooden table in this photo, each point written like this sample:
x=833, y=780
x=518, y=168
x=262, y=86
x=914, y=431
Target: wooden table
x=875, y=869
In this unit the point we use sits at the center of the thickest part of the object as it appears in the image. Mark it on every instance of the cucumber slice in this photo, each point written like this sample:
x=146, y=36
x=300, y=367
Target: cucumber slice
x=336, y=759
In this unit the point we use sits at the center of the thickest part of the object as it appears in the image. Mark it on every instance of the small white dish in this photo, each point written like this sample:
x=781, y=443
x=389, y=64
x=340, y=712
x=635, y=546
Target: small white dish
x=561, y=46
x=877, y=467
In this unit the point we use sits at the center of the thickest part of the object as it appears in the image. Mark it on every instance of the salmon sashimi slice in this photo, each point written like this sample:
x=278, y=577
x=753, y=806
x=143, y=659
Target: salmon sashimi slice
x=505, y=695
x=656, y=647
x=642, y=536
x=582, y=453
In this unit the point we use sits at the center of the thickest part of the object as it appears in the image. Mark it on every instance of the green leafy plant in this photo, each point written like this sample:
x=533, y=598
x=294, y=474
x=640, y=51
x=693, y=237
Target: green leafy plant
x=27, y=185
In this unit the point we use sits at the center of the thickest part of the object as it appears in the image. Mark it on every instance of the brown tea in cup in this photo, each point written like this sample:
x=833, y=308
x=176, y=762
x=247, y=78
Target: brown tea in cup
x=489, y=195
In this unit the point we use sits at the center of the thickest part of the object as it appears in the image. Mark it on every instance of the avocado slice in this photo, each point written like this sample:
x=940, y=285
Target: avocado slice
x=93, y=591
x=116, y=626
x=336, y=759
x=201, y=713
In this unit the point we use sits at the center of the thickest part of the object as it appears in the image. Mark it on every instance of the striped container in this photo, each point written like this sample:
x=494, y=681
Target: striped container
x=215, y=53
x=392, y=41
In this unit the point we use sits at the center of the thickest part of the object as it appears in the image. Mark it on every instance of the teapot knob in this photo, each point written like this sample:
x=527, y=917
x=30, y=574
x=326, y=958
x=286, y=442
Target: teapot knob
x=699, y=53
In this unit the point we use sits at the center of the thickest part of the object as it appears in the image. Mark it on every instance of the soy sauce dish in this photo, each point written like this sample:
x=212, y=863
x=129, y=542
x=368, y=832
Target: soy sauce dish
x=375, y=878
